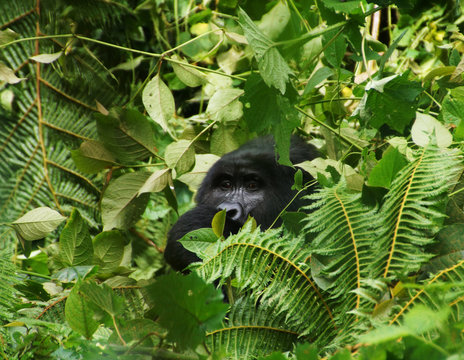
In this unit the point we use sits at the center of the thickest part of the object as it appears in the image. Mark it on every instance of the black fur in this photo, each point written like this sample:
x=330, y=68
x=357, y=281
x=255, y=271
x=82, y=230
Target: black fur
x=247, y=181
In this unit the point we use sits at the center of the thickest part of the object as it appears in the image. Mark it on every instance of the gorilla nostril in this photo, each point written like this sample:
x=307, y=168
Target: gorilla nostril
x=234, y=211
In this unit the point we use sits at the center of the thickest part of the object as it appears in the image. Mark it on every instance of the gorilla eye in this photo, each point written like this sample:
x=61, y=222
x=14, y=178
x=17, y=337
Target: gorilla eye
x=225, y=184
x=252, y=185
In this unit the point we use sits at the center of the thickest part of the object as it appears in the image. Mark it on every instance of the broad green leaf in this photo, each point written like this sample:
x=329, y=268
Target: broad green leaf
x=273, y=68
x=75, y=242
x=224, y=139
x=219, y=220
x=103, y=296
x=37, y=223
x=137, y=329
x=348, y=6
x=79, y=314
x=187, y=306
x=224, y=105
x=7, y=36
x=453, y=106
x=92, y=156
x=127, y=134
x=7, y=74
x=180, y=156
x=128, y=65
x=316, y=78
x=390, y=101
x=336, y=49
x=75, y=273
x=121, y=206
x=156, y=182
x=273, y=23
x=426, y=129
x=194, y=177
x=108, y=249
x=159, y=102
x=47, y=58
x=448, y=248
x=188, y=75
x=385, y=171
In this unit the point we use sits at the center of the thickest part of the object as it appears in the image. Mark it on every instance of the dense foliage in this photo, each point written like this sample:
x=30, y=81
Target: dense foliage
x=111, y=112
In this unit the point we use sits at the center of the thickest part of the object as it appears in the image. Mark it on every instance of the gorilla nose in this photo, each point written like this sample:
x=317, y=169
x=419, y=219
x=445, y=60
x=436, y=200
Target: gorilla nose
x=234, y=211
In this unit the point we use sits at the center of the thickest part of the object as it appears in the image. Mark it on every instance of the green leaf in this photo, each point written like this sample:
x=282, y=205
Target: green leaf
x=188, y=75
x=180, y=156
x=79, y=314
x=159, y=102
x=390, y=101
x=385, y=171
x=127, y=134
x=453, y=106
x=37, y=223
x=224, y=105
x=348, y=6
x=224, y=139
x=47, y=58
x=272, y=66
x=218, y=222
x=426, y=129
x=121, y=205
x=75, y=242
x=92, y=156
x=7, y=74
x=103, y=296
x=187, y=307
x=336, y=49
x=156, y=182
x=194, y=177
x=108, y=249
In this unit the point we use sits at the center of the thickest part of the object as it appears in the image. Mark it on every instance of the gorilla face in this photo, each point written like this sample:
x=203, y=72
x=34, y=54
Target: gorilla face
x=245, y=182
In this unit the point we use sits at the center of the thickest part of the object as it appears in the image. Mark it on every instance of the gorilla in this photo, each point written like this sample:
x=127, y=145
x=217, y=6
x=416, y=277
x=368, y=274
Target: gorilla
x=245, y=182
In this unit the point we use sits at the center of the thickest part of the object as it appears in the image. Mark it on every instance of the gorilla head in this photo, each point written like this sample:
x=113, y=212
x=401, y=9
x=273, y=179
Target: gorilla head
x=245, y=182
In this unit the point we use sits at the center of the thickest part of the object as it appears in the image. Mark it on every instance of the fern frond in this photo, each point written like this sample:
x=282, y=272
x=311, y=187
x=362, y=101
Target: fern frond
x=345, y=229
x=275, y=266
x=252, y=330
x=8, y=279
x=411, y=213
x=448, y=283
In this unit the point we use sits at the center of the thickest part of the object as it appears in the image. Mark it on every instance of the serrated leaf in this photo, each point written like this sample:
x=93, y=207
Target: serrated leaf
x=194, y=177
x=156, y=182
x=103, y=296
x=46, y=58
x=159, y=102
x=75, y=242
x=79, y=314
x=121, y=206
x=180, y=156
x=390, y=101
x=426, y=128
x=108, y=249
x=37, y=223
x=187, y=306
x=272, y=66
